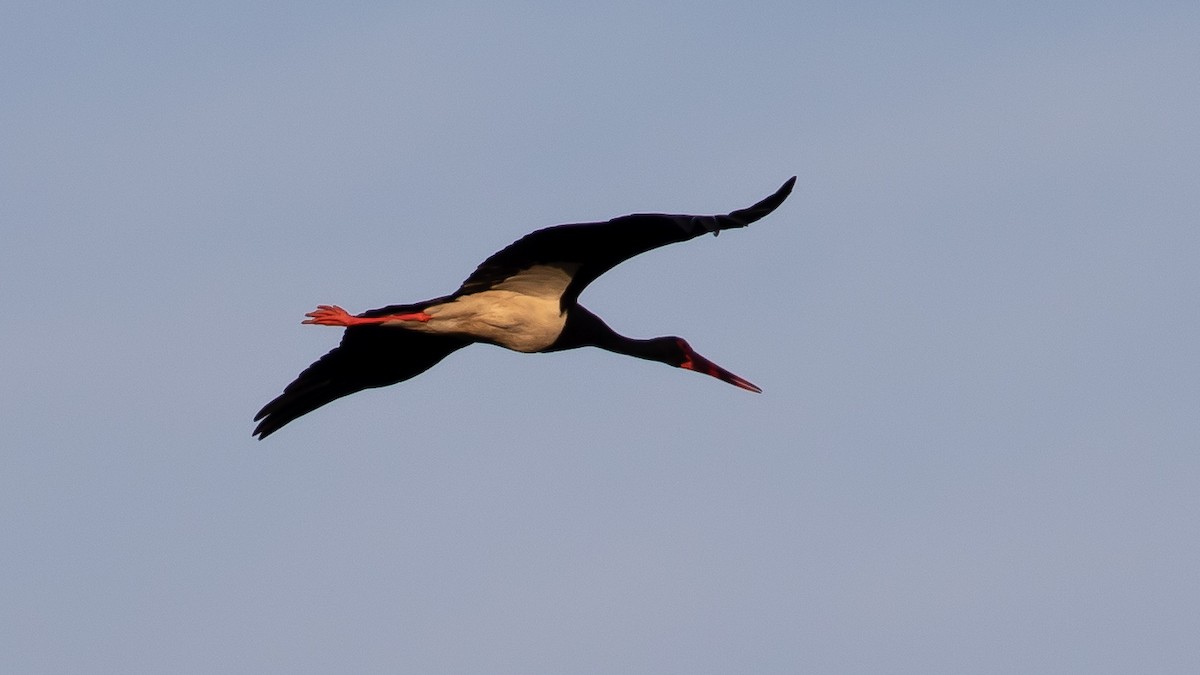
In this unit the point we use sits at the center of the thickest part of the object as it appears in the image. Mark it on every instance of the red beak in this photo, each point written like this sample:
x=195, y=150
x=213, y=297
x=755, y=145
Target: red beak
x=702, y=365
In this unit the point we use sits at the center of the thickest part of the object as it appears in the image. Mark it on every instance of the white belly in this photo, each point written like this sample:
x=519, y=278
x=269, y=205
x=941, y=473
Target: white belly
x=522, y=323
x=521, y=313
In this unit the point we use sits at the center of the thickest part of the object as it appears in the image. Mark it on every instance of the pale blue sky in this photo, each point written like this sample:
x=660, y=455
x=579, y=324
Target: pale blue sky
x=975, y=322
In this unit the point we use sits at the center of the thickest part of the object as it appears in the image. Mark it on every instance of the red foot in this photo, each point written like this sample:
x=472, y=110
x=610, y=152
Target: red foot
x=332, y=315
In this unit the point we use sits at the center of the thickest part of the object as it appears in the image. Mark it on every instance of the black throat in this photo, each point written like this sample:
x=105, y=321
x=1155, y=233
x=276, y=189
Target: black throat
x=584, y=329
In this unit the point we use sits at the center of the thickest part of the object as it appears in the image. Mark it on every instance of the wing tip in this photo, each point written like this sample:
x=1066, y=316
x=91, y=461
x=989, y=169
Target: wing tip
x=766, y=206
x=281, y=411
x=782, y=193
x=274, y=422
x=265, y=427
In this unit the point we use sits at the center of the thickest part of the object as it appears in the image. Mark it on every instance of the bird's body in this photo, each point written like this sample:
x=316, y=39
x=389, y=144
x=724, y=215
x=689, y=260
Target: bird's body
x=523, y=313
x=523, y=298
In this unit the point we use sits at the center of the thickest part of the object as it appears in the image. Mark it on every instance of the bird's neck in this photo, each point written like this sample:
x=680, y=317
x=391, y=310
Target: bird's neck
x=584, y=329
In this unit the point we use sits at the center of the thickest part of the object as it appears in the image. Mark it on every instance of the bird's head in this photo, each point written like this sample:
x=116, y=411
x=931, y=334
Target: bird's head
x=677, y=352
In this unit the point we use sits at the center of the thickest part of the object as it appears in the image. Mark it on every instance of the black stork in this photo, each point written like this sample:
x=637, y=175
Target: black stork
x=524, y=297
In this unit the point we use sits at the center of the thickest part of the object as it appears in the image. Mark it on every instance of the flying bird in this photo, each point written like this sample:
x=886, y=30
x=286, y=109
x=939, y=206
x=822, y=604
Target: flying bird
x=524, y=297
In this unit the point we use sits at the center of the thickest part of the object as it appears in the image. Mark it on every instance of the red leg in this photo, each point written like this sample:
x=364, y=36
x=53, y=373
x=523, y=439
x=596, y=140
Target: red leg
x=332, y=315
x=415, y=316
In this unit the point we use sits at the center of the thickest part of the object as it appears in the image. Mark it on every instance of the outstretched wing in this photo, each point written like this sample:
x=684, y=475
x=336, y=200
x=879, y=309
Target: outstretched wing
x=368, y=356
x=588, y=250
